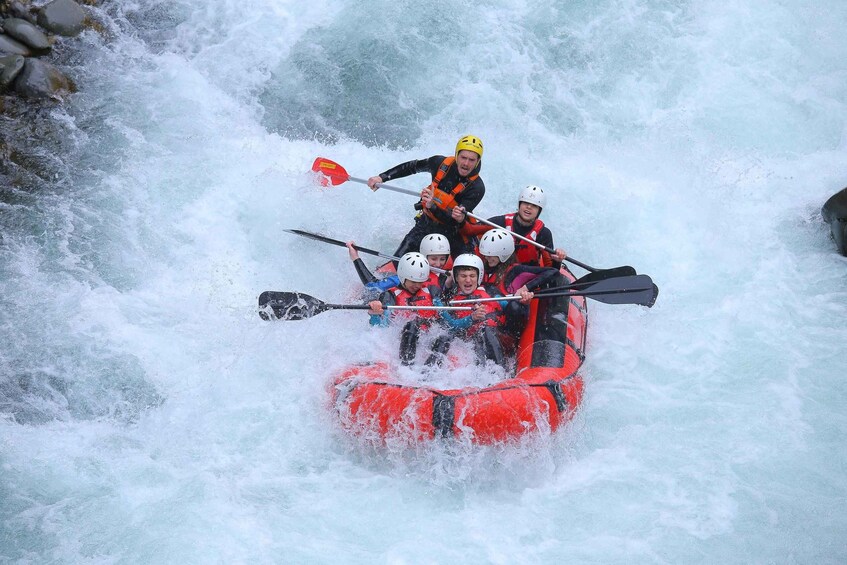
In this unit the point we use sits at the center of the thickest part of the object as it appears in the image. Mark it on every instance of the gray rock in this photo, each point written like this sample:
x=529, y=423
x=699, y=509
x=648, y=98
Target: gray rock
x=10, y=66
x=42, y=80
x=18, y=9
x=63, y=17
x=9, y=46
x=26, y=33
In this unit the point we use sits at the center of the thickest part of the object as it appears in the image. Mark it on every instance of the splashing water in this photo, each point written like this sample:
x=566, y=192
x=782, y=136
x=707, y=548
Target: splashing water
x=149, y=415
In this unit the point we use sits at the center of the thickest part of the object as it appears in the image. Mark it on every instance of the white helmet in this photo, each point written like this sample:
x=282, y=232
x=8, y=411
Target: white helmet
x=469, y=260
x=497, y=243
x=435, y=244
x=533, y=195
x=413, y=267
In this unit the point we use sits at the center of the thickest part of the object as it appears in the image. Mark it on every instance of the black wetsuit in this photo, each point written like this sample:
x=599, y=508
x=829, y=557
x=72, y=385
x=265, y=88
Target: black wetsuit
x=447, y=226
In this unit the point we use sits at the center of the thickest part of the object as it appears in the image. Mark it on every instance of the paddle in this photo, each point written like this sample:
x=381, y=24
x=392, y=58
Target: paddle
x=325, y=239
x=335, y=174
x=278, y=305
x=635, y=289
x=640, y=296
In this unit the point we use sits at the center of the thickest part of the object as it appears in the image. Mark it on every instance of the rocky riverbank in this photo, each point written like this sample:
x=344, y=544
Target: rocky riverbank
x=32, y=85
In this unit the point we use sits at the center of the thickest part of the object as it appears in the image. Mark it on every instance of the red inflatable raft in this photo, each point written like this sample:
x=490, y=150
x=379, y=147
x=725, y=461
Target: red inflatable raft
x=544, y=393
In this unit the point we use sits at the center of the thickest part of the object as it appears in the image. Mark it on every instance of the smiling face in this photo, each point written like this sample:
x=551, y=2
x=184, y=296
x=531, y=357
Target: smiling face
x=467, y=279
x=466, y=161
x=528, y=213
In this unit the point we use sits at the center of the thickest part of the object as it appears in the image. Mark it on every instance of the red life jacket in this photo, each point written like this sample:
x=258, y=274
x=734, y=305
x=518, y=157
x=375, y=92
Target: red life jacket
x=493, y=317
x=445, y=200
x=526, y=253
x=490, y=279
x=403, y=297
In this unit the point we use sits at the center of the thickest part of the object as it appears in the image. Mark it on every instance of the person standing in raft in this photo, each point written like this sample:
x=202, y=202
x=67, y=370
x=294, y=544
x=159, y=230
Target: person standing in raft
x=456, y=188
x=434, y=247
x=414, y=290
x=524, y=222
x=505, y=276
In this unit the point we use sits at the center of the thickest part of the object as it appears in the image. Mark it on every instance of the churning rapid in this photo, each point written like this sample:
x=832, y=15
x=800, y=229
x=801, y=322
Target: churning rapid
x=148, y=415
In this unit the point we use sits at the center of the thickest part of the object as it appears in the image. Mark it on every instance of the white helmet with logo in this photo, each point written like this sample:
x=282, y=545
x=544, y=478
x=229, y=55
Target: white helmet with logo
x=435, y=244
x=534, y=195
x=413, y=267
x=497, y=243
x=469, y=260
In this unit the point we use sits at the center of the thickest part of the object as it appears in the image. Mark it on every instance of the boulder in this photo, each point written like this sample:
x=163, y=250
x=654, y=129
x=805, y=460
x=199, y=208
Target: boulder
x=26, y=33
x=10, y=67
x=18, y=9
x=42, y=80
x=62, y=17
x=9, y=46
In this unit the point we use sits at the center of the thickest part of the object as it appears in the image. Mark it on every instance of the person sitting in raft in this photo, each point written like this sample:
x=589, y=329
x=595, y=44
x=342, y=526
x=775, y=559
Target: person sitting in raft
x=456, y=187
x=434, y=247
x=414, y=290
x=504, y=276
x=480, y=325
x=524, y=222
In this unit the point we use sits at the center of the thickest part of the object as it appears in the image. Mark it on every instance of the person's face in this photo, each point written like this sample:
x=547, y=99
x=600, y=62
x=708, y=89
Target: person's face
x=437, y=261
x=491, y=260
x=466, y=161
x=528, y=212
x=412, y=286
x=466, y=280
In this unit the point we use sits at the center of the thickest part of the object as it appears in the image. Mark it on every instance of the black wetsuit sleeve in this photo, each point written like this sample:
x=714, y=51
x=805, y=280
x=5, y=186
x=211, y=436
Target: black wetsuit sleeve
x=413, y=167
x=499, y=220
x=364, y=274
x=545, y=238
x=472, y=195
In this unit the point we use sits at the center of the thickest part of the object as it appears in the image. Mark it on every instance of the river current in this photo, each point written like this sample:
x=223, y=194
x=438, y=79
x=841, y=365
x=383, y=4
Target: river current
x=147, y=414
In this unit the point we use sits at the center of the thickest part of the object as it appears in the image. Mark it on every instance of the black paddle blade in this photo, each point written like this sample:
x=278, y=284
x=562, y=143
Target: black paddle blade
x=274, y=305
x=633, y=289
x=603, y=274
x=652, y=300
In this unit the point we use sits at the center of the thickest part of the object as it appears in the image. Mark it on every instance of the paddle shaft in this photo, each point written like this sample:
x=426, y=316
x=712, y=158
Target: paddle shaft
x=553, y=294
x=480, y=219
x=326, y=306
x=323, y=238
x=293, y=306
x=336, y=174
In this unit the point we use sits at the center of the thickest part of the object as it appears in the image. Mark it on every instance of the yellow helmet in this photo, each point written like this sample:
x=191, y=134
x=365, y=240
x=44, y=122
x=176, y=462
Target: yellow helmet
x=470, y=143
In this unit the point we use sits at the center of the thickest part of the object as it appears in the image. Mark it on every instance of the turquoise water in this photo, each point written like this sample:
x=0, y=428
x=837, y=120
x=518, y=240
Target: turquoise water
x=147, y=415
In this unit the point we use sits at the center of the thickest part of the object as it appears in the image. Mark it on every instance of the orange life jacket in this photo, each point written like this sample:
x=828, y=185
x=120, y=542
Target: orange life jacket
x=526, y=253
x=445, y=200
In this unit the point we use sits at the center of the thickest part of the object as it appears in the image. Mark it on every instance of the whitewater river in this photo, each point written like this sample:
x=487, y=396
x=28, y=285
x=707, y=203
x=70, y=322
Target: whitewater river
x=147, y=414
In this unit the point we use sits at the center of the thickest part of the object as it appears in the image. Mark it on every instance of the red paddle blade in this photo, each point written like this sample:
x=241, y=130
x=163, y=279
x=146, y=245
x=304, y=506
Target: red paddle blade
x=331, y=172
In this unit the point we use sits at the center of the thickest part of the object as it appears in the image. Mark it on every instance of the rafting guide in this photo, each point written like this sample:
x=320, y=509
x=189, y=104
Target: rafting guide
x=456, y=189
